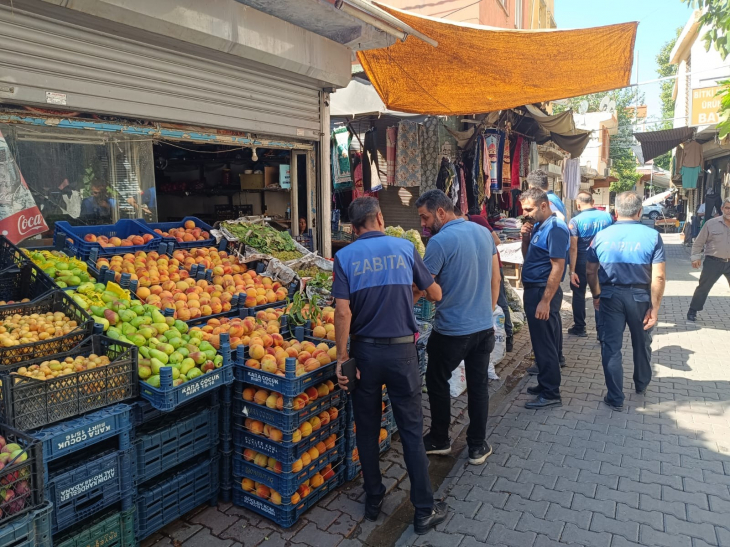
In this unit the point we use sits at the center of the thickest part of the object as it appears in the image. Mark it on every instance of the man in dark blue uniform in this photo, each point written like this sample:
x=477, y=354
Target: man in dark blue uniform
x=376, y=280
x=545, y=242
x=583, y=228
x=626, y=273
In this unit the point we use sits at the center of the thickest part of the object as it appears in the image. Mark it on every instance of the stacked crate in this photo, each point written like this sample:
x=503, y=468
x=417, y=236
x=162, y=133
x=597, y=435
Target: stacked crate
x=387, y=428
x=226, y=446
x=288, y=454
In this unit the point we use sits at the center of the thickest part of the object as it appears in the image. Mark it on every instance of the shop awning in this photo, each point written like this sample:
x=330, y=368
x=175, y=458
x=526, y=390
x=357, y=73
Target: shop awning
x=477, y=69
x=656, y=143
x=359, y=98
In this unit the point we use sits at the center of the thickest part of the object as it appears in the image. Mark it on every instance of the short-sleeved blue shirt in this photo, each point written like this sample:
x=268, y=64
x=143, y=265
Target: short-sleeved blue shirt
x=625, y=252
x=460, y=256
x=585, y=226
x=550, y=239
x=376, y=274
x=556, y=202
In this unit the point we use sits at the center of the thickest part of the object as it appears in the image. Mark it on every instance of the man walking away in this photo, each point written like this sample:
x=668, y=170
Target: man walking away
x=376, y=278
x=539, y=179
x=626, y=273
x=502, y=300
x=464, y=262
x=583, y=228
x=714, y=239
x=545, y=242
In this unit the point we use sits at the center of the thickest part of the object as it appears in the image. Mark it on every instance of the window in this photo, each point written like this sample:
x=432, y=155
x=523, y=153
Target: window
x=518, y=13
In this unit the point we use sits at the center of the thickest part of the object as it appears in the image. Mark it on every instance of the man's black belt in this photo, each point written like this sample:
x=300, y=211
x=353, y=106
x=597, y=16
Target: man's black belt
x=533, y=285
x=718, y=259
x=387, y=341
x=639, y=286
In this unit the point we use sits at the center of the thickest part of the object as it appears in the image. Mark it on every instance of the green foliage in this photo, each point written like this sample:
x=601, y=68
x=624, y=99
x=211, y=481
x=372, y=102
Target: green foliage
x=717, y=19
x=723, y=128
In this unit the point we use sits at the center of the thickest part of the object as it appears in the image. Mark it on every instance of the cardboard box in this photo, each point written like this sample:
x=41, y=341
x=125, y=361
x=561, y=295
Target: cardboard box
x=284, y=176
x=252, y=182
x=271, y=176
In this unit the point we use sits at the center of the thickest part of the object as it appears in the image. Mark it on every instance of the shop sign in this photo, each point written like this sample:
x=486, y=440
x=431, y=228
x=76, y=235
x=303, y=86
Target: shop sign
x=705, y=106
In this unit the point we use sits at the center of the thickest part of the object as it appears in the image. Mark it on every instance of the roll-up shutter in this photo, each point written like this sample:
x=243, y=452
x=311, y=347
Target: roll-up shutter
x=48, y=63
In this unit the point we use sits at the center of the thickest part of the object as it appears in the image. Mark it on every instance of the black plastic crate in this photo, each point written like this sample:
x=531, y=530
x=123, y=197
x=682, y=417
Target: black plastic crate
x=22, y=475
x=28, y=403
x=10, y=255
x=57, y=301
x=27, y=281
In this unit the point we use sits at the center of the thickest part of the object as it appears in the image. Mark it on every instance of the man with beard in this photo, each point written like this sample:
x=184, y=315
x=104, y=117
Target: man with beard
x=464, y=262
x=545, y=243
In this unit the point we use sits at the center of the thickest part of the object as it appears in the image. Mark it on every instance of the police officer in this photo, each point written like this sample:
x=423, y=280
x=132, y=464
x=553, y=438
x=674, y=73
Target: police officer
x=583, y=228
x=545, y=242
x=626, y=273
x=376, y=280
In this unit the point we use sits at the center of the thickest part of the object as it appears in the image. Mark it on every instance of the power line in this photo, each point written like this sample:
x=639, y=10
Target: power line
x=461, y=8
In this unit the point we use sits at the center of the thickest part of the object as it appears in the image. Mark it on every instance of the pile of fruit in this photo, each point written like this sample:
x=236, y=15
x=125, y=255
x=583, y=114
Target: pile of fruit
x=270, y=355
x=16, y=330
x=188, y=232
x=129, y=241
x=265, y=239
x=299, y=311
x=209, y=258
x=266, y=493
x=54, y=368
x=411, y=235
x=148, y=268
x=240, y=331
x=274, y=400
x=313, y=424
x=14, y=486
x=11, y=302
x=97, y=294
x=307, y=457
x=65, y=271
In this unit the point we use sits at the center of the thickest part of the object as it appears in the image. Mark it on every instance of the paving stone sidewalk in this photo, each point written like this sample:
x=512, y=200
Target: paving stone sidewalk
x=656, y=474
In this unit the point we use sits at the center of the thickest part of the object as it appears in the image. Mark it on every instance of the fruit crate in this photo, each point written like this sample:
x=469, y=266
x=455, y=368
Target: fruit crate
x=285, y=452
x=386, y=422
x=167, y=226
x=143, y=412
x=168, y=397
x=112, y=529
x=81, y=249
x=61, y=440
x=31, y=530
x=10, y=255
x=87, y=484
x=424, y=310
x=285, y=483
x=57, y=301
x=353, y=466
x=286, y=420
x=226, y=469
x=175, y=493
x=285, y=515
x=21, y=476
x=28, y=403
x=27, y=281
x=178, y=439
x=225, y=420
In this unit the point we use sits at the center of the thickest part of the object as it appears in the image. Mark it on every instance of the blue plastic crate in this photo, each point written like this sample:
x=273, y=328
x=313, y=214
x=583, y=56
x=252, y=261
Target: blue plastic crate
x=168, y=397
x=112, y=528
x=424, y=310
x=226, y=473
x=353, y=468
x=176, y=441
x=225, y=421
x=89, y=485
x=167, y=226
x=30, y=530
x=285, y=515
x=175, y=493
x=143, y=412
x=225, y=495
x=74, y=236
x=286, y=453
x=286, y=420
x=285, y=483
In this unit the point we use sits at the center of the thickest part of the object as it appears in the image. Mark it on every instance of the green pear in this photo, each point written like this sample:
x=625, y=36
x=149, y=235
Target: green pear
x=199, y=357
x=194, y=373
x=161, y=327
x=176, y=357
x=205, y=345
x=157, y=317
x=172, y=332
x=139, y=310
x=191, y=348
x=160, y=356
x=170, y=321
x=153, y=342
x=127, y=315
x=186, y=338
x=156, y=365
x=140, y=321
x=184, y=351
x=144, y=371
x=114, y=333
x=128, y=329
x=138, y=340
x=146, y=332
x=97, y=310
x=101, y=321
x=175, y=342
x=181, y=326
x=145, y=351
x=167, y=348
x=210, y=353
x=197, y=334
x=154, y=381
x=187, y=365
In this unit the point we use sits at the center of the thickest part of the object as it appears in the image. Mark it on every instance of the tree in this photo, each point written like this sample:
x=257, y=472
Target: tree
x=665, y=69
x=717, y=18
x=624, y=161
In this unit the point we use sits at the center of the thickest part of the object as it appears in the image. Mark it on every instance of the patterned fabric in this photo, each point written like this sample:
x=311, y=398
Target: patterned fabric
x=430, y=153
x=495, y=149
x=463, y=202
x=525, y=158
x=408, y=170
x=391, y=136
x=341, y=170
x=357, y=189
x=516, y=163
x=534, y=157
x=506, y=166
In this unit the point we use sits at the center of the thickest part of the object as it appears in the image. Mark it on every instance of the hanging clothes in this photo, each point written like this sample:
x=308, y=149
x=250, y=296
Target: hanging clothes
x=534, y=157
x=690, y=176
x=470, y=187
x=391, y=136
x=494, y=139
x=477, y=170
x=516, y=157
x=357, y=189
x=524, y=160
x=370, y=174
x=506, y=178
x=408, y=170
x=571, y=177
x=463, y=200
x=692, y=156
x=341, y=169
x=516, y=210
x=442, y=180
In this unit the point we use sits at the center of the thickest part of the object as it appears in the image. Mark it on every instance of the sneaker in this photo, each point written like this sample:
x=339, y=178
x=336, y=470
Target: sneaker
x=542, y=402
x=477, y=456
x=576, y=332
x=691, y=315
x=534, y=390
x=440, y=511
x=533, y=370
x=510, y=343
x=617, y=408
x=436, y=449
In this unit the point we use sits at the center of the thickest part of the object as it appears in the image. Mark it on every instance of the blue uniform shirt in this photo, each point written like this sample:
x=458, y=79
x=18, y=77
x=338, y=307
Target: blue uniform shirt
x=460, y=256
x=585, y=226
x=376, y=273
x=556, y=202
x=550, y=239
x=625, y=252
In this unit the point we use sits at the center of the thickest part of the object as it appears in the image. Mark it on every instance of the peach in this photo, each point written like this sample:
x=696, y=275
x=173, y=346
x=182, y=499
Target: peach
x=319, y=332
x=313, y=453
x=271, y=401
x=256, y=351
x=257, y=428
x=303, y=356
x=306, y=459
x=324, y=418
x=253, y=363
x=304, y=490
x=295, y=498
x=249, y=455
x=275, y=498
x=263, y=491
x=323, y=390
x=330, y=442
x=261, y=460
x=306, y=429
x=317, y=480
x=315, y=423
x=260, y=397
x=311, y=393
x=276, y=435
x=296, y=467
x=248, y=394
x=248, y=485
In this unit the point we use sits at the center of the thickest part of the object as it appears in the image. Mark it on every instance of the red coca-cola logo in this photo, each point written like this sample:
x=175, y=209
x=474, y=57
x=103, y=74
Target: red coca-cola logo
x=27, y=224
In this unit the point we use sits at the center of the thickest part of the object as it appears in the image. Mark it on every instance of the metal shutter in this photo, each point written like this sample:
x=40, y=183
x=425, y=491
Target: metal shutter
x=106, y=74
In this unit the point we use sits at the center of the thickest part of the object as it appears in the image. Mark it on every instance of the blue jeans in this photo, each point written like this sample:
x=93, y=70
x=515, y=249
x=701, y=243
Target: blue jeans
x=621, y=306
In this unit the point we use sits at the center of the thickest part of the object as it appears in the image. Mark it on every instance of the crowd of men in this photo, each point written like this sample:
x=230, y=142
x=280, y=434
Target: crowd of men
x=622, y=262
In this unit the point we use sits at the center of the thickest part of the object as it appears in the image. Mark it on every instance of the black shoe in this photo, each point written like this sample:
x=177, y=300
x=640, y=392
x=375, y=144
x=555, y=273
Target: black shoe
x=691, y=315
x=641, y=391
x=562, y=362
x=533, y=370
x=510, y=343
x=442, y=449
x=477, y=456
x=617, y=408
x=576, y=332
x=372, y=511
x=534, y=390
x=542, y=402
x=440, y=511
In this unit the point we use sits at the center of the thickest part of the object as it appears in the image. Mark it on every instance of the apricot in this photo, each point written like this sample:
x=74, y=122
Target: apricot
x=319, y=332
x=296, y=436
x=261, y=460
x=323, y=390
x=260, y=397
x=306, y=459
x=275, y=498
x=315, y=423
x=253, y=363
x=317, y=480
x=295, y=498
x=256, y=351
x=276, y=435
x=249, y=455
x=333, y=414
x=263, y=491
x=313, y=453
x=330, y=442
x=324, y=418
x=272, y=399
x=257, y=428
x=321, y=447
x=248, y=394
x=304, y=490
x=248, y=485
x=296, y=467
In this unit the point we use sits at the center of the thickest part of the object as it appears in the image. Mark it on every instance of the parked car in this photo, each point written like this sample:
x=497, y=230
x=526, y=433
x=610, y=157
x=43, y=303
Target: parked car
x=654, y=211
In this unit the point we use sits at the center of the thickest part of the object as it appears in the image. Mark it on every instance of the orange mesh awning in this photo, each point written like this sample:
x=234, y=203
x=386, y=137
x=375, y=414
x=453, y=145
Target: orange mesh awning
x=479, y=69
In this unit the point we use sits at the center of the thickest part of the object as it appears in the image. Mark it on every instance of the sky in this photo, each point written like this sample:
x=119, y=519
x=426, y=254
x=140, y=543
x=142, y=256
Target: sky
x=658, y=21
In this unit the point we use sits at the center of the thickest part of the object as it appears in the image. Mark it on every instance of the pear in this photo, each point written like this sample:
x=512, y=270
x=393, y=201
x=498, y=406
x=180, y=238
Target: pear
x=194, y=373
x=187, y=365
x=160, y=356
x=156, y=365
x=154, y=381
x=181, y=326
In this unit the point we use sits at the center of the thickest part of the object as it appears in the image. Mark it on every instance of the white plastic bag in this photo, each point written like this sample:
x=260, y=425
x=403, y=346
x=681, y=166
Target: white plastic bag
x=457, y=382
x=500, y=342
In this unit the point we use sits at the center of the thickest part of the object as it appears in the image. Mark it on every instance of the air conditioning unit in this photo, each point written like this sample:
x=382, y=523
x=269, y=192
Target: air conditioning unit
x=606, y=172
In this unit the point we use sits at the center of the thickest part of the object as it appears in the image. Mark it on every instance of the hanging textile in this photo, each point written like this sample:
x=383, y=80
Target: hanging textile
x=571, y=177
x=524, y=159
x=506, y=178
x=357, y=188
x=455, y=184
x=442, y=180
x=494, y=139
x=534, y=157
x=689, y=177
x=391, y=135
x=463, y=201
x=370, y=174
x=516, y=158
x=408, y=155
x=477, y=171
x=341, y=170
x=430, y=153
x=470, y=187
